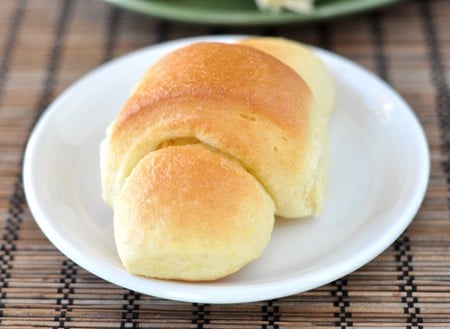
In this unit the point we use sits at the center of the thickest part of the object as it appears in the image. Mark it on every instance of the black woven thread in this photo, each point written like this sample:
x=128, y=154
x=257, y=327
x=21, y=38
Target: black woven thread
x=68, y=278
x=269, y=31
x=381, y=64
x=217, y=30
x=162, y=30
x=68, y=269
x=130, y=308
x=115, y=16
x=270, y=315
x=407, y=287
x=10, y=41
x=54, y=60
x=200, y=312
x=323, y=31
x=340, y=294
x=439, y=81
x=200, y=315
x=402, y=245
x=16, y=201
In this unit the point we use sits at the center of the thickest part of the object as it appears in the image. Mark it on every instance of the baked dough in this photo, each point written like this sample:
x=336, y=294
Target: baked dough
x=192, y=213
x=214, y=140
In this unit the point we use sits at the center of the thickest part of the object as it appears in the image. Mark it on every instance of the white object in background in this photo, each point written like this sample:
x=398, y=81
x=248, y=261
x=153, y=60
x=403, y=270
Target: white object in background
x=298, y=6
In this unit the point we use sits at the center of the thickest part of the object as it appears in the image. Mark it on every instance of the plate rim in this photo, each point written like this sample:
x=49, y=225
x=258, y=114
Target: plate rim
x=177, y=12
x=278, y=289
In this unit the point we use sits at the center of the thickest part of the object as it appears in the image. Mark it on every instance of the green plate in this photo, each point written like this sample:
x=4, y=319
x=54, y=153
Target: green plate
x=243, y=12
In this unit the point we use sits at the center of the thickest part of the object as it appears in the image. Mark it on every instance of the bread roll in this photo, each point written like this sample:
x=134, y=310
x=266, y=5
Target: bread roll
x=192, y=213
x=213, y=141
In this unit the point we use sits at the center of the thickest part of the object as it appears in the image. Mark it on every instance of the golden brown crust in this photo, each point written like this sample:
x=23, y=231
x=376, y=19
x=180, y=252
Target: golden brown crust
x=256, y=110
x=317, y=76
x=213, y=141
x=191, y=213
x=226, y=73
x=302, y=60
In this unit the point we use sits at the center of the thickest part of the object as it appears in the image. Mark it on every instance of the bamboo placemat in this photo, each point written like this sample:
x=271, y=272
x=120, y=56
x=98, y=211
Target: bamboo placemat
x=45, y=45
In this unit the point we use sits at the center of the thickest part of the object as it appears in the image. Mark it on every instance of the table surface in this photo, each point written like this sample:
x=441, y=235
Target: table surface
x=46, y=45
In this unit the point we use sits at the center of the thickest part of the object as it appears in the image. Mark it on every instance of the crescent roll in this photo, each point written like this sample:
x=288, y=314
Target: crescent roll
x=215, y=140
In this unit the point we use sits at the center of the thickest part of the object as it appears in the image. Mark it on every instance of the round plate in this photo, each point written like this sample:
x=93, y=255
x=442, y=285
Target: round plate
x=378, y=177
x=243, y=12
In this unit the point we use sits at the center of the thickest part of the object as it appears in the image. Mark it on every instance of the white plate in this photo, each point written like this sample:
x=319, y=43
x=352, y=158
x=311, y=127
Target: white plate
x=378, y=177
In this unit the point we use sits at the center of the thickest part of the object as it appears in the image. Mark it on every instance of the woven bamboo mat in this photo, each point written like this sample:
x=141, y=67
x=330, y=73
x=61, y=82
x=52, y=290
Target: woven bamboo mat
x=45, y=45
